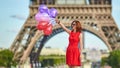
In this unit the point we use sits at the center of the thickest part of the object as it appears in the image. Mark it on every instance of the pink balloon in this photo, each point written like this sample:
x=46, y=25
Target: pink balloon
x=42, y=17
x=37, y=17
x=42, y=25
x=48, y=30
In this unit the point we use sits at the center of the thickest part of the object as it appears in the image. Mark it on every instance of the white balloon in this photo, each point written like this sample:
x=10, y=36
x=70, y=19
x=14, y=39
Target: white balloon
x=52, y=21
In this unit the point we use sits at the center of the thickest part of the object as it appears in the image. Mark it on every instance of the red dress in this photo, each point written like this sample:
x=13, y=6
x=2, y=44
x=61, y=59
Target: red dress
x=73, y=52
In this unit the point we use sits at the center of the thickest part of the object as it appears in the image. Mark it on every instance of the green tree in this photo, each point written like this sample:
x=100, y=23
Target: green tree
x=52, y=60
x=6, y=58
x=114, y=59
x=104, y=61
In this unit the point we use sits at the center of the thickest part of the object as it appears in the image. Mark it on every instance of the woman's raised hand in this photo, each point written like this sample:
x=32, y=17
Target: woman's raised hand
x=57, y=21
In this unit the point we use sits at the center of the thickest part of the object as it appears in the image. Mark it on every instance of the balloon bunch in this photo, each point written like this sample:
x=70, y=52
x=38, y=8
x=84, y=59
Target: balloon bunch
x=46, y=19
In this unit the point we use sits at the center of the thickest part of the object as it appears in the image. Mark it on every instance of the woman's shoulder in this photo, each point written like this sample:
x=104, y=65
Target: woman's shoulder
x=78, y=33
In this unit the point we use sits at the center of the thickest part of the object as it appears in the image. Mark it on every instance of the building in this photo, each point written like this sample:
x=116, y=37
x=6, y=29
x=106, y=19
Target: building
x=52, y=51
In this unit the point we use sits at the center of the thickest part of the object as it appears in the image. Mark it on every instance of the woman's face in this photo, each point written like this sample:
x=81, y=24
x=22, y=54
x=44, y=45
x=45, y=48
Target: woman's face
x=73, y=25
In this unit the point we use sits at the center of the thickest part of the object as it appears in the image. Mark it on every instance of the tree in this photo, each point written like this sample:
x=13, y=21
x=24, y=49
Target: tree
x=104, y=61
x=114, y=59
x=6, y=58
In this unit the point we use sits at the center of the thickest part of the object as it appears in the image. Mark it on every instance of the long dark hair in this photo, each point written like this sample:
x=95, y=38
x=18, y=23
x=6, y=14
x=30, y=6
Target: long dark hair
x=78, y=25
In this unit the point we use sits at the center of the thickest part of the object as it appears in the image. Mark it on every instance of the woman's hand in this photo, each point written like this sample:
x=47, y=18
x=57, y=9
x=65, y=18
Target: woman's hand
x=57, y=21
x=62, y=25
x=81, y=56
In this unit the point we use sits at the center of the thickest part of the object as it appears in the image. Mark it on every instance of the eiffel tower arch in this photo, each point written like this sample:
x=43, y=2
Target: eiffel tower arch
x=94, y=15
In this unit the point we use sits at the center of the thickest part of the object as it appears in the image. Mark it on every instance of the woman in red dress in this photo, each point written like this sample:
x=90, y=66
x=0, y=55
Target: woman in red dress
x=73, y=53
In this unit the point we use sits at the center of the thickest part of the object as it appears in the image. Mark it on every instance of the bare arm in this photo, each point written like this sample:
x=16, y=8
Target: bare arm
x=81, y=42
x=65, y=28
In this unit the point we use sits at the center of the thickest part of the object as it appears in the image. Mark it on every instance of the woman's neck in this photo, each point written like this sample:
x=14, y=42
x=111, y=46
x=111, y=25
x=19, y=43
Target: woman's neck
x=74, y=30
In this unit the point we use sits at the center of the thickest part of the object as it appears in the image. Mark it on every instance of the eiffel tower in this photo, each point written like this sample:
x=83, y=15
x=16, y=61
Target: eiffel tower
x=94, y=15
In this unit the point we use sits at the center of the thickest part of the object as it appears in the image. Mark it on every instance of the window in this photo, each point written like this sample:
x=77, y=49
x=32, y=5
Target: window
x=60, y=1
x=67, y=17
x=43, y=1
x=70, y=1
x=80, y=1
x=95, y=2
x=33, y=2
x=51, y=1
x=76, y=17
x=107, y=1
x=63, y=17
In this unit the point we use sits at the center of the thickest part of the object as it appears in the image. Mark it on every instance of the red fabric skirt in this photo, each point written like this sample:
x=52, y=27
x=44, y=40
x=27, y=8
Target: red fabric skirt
x=73, y=56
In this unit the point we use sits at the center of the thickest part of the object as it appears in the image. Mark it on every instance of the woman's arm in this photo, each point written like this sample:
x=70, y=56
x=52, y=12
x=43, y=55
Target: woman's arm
x=81, y=42
x=66, y=29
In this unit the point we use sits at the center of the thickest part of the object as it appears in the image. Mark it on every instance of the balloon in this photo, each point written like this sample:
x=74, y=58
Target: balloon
x=53, y=12
x=42, y=25
x=37, y=17
x=43, y=9
x=42, y=17
x=48, y=30
x=46, y=19
x=52, y=21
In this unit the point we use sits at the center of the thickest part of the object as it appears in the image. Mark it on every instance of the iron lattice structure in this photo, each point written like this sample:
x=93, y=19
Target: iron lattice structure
x=94, y=15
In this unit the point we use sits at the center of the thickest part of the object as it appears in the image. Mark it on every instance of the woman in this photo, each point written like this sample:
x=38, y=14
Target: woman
x=73, y=53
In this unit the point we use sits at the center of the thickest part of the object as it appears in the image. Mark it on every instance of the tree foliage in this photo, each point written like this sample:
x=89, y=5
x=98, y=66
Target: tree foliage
x=52, y=60
x=113, y=59
x=6, y=58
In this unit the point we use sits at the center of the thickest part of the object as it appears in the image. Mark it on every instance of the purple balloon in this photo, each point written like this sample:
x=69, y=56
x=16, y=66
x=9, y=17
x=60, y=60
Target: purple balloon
x=53, y=12
x=43, y=9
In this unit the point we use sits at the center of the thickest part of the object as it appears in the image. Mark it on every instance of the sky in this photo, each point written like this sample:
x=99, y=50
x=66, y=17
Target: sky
x=13, y=14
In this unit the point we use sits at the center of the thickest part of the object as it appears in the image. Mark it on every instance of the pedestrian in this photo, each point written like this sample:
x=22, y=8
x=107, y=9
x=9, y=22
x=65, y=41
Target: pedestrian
x=73, y=52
